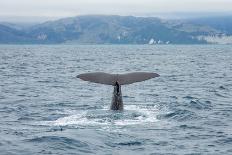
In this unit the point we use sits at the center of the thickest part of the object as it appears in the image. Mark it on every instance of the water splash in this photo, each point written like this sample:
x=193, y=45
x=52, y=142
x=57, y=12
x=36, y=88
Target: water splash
x=133, y=114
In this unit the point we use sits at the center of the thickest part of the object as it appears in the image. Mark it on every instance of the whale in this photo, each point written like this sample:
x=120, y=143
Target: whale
x=117, y=80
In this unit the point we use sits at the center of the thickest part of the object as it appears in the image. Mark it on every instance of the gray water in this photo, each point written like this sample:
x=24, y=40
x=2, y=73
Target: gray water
x=44, y=109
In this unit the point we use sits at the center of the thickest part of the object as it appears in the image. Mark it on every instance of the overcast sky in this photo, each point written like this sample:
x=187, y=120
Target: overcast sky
x=65, y=8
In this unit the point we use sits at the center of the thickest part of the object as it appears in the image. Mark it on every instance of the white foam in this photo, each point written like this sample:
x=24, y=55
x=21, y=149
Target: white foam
x=147, y=116
x=89, y=118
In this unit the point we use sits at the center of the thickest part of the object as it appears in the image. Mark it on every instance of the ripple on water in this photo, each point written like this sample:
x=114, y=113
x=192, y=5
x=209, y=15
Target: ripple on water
x=179, y=115
x=130, y=143
x=58, y=139
x=224, y=141
x=200, y=105
x=61, y=143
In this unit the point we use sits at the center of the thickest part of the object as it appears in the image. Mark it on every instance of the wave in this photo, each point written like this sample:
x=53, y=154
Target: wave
x=179, y=115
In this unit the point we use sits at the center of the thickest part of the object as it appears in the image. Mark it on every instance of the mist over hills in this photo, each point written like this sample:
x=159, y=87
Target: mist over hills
x=102, y=29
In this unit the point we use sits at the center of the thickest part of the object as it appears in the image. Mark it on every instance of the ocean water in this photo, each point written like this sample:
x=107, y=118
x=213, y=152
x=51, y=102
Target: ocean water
x=45, y=109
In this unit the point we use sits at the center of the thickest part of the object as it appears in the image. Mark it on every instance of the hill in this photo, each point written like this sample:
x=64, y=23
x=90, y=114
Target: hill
x=98, y=29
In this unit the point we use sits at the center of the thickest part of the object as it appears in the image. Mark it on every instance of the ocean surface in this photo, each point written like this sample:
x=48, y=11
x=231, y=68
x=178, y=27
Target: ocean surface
x=45, y=109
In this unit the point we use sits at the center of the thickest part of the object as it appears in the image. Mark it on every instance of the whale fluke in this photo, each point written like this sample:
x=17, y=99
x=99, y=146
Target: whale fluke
x=130, y=78
x=122, y=79
x=98, y=77
x=117, y=80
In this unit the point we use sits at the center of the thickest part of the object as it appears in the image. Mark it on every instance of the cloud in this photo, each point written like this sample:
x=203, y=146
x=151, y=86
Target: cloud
x=63, y=8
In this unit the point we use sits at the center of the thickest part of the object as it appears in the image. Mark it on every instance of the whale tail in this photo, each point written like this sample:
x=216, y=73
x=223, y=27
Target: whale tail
x=122, y=79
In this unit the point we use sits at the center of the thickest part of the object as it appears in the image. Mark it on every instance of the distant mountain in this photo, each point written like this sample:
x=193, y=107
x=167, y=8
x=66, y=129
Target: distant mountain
x=224, y=23
x=113, y=30
x=11, y=35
